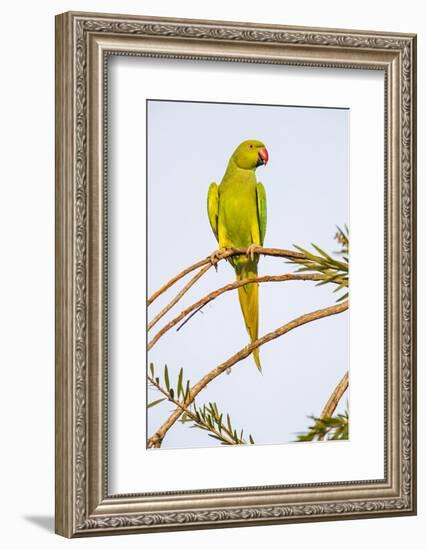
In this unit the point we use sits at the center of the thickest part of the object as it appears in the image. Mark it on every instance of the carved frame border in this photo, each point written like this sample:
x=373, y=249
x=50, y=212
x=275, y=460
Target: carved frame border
x=83, y=43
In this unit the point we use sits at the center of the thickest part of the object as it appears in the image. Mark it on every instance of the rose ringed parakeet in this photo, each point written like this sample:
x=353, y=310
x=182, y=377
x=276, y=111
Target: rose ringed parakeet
x=237, y=210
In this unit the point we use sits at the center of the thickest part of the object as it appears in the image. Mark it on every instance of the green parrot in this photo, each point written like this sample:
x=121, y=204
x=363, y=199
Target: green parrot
x=237, y=210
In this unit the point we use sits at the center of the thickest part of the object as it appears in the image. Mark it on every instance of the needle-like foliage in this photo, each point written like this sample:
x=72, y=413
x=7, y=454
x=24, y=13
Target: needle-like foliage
x=330, y=428
x=209, y=418
x=330, y=269
x=206, y=417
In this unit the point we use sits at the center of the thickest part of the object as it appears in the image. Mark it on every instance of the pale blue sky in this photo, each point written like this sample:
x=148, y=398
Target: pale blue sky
x=307, y=185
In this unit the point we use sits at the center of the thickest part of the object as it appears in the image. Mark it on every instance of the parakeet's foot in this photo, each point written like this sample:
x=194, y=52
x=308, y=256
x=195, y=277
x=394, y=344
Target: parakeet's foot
x=216, y=256
x=251, y=251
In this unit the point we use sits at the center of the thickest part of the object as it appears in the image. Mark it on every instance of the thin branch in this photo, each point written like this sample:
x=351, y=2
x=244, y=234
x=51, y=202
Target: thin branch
x=264, y=279
x=190, y=316
x=231, y=286
x=178, y=297
x=226, y=254
x=208, y=263
x=335, y=397
x=189, y=413
x=156, y=439
x=175, y=279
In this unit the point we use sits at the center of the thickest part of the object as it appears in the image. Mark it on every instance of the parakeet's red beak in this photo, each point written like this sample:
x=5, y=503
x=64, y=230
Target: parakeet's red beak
x=263, y=155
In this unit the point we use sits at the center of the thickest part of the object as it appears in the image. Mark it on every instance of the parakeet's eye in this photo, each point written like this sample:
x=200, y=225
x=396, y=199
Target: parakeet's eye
x=251, y=145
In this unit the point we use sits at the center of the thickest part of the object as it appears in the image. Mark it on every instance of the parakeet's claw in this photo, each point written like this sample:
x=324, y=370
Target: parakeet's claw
x=251, y=251
x=216, y=256
x=228, y=371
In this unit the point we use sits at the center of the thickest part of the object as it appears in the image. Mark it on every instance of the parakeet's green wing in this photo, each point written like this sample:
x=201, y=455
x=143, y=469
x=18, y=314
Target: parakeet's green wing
x=262, y=210
x=213, y=207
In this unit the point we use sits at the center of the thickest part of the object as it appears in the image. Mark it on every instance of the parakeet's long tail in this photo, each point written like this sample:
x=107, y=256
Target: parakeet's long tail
x=248, y=298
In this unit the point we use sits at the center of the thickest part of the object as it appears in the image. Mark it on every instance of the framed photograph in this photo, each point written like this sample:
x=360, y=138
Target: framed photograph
x=235, y=274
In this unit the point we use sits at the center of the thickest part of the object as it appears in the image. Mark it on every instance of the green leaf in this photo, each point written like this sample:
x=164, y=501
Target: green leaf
x=167, y=378
x=219, y=422
x=321, y=252
x=156, y=402
x=187, y=390
x=171, y=393
x=152, y=370
x=309, y=255
x=180, y=388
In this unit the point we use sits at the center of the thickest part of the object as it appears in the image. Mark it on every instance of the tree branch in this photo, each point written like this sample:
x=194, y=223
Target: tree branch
x=207, y=263
x=190, y=413
x=177, y=278
x=335, y=397
x=178, y=297
x=231, y=286
x=156, y=439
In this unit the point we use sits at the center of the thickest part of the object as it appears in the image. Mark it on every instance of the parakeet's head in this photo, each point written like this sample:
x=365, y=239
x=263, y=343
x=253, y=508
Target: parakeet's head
x=250, y=154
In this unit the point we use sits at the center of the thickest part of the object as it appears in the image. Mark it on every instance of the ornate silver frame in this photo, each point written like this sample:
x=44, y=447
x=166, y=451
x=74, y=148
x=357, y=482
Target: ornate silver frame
x=83, y=505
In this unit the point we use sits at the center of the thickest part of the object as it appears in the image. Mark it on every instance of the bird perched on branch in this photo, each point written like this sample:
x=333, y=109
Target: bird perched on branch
x=237, y=210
